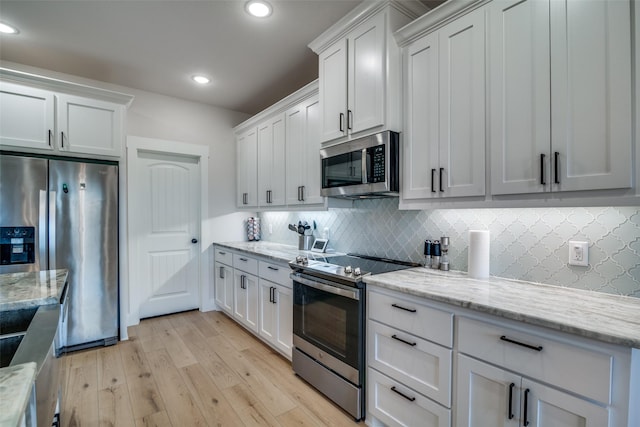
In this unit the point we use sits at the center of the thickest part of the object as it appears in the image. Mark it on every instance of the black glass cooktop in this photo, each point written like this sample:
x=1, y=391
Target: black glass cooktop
x=367, y=264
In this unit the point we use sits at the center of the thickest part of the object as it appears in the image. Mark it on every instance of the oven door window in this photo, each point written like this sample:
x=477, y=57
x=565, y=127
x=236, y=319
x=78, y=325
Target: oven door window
x=328, y=321
x=342, y=170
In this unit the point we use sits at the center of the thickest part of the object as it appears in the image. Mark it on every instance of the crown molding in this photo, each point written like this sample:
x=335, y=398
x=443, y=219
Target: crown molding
x=435, y=19
x=57, y=85
x=279, y=107
x=362, y=12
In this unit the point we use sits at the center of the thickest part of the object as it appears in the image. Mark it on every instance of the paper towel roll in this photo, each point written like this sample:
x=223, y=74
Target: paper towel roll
x=479, y=254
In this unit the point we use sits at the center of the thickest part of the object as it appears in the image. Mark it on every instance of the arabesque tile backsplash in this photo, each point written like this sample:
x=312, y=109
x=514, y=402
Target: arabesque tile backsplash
x=527, y=244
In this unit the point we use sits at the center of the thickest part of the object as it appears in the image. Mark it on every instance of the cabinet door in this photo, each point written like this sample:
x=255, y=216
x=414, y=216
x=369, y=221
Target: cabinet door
x=366, y=75
x=89, y=126
x=267, y=313
x=487, y=396
x=26, y=117
x=303, y=153
x=239, y=296
x=333, y=91
x=421, y=126
x=591, y=94
x=247, y=168
x=271, y=162
x=224, y=287
x=283, y=297
x=519, y=96
x=462, y=107
x=546, y=406
x=312, y=180
x=253, y=303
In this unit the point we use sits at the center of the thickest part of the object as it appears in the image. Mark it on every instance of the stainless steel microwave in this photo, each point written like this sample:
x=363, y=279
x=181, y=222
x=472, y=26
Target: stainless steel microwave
x=367, y=167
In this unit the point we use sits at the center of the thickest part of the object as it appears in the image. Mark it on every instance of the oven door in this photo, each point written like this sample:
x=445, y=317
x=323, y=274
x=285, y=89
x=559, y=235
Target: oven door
x=328, y=324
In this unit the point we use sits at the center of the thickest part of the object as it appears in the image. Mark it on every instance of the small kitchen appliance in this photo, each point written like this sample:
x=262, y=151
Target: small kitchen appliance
x=367, y=167
x=329, y=323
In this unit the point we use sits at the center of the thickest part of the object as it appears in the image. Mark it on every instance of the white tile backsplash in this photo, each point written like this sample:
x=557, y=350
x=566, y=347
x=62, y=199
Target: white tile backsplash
x=528, y=244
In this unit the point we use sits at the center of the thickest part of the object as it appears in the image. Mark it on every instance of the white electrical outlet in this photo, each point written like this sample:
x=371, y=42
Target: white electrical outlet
x=578, y=253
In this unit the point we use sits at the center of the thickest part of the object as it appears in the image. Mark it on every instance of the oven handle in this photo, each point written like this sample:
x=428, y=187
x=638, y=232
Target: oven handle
x=335, y=289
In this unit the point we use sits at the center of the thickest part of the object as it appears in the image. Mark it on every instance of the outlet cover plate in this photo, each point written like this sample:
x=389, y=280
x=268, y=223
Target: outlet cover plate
x=578, y=253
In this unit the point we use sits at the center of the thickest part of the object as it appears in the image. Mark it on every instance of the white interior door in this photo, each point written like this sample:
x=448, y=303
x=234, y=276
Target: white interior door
x=165, y=232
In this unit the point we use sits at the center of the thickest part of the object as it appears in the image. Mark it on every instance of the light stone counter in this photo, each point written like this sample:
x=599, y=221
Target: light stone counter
x=277, y=252
x=25, y=290
x=16, y=383
x=604, y=317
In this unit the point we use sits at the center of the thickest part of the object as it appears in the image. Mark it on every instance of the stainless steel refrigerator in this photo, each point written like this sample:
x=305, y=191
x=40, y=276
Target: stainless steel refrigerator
x=55, y=214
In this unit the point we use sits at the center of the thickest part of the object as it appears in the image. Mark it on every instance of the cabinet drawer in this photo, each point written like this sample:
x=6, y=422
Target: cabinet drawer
x=420, y=364
x=397, y=405
x=224, y=256
x=417, y=319
x=245, y=263
x=566, y=365
x=275, y=273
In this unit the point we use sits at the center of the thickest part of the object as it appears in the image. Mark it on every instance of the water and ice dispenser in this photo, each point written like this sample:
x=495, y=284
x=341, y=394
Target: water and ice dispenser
x=17, y=245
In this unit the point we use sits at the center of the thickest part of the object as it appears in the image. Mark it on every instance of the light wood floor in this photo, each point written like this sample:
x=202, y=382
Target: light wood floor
x=190, y=369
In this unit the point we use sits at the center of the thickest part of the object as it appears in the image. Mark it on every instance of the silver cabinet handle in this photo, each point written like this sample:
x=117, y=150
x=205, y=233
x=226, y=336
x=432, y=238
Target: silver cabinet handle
x=222, y=272
x=273, y=268
x=243, y=259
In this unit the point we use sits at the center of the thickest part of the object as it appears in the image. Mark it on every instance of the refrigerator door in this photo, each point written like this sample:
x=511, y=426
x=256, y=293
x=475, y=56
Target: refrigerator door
x=23, y=203
x=84, y=239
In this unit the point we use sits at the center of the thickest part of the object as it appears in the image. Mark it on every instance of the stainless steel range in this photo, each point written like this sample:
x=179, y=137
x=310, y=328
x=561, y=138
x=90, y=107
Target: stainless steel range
x=329, y=323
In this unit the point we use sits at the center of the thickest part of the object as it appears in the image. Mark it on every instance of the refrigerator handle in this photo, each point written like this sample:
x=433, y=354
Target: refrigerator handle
x=52, y=230
x=42, y=231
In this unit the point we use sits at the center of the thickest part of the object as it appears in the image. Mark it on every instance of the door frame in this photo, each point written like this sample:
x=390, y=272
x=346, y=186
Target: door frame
x=130, y=301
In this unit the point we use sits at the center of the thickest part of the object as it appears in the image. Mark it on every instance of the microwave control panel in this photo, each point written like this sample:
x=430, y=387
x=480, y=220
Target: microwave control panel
x=377, y=157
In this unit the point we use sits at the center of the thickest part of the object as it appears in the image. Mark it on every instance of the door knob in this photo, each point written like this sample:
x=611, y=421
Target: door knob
x=194, y=241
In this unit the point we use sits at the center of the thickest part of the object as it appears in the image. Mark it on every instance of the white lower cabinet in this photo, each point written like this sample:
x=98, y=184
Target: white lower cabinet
x=258, y=295
x=224, y=287
x=393, y=404
x=276, y=315
x=245, y=301
x=490, y=396
x=409, y=365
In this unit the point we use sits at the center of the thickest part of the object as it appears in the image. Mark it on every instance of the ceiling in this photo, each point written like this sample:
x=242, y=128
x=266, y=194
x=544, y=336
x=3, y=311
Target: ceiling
x=157, y=45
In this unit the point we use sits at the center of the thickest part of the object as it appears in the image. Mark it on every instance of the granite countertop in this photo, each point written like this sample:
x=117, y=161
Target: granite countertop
x=15, y=389
x=33, y=289
x=604, y=317
x=274, y=251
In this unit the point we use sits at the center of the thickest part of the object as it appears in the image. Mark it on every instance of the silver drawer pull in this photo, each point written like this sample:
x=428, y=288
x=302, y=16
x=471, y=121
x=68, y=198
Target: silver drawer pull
x=243, y=259
x=410, y=399
x=395, y=337
x=273, y=268
x=410, y=310
x=512, y=341
x=221, y=253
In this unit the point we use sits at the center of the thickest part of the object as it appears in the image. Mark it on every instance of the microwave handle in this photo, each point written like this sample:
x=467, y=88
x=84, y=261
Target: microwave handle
x=365, y=165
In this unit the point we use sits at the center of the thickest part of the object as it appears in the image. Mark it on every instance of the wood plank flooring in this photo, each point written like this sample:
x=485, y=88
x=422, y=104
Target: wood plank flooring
x=190, y=369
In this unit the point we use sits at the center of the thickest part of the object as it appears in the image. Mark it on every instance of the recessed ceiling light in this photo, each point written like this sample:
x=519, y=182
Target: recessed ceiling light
x=7, y=29
x=201, y=79
x=258, y=8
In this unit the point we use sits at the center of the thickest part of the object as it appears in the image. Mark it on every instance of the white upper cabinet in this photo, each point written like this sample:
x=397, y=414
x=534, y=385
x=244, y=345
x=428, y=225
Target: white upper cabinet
x=278, y=154
x=26, y=116
x=359, y=71
x=560, y=82
x=247, y=169
x=303, y=153
x=519, y=79
x=333, y=91
x=89, y=126
x=38, y=114
x=444, y=151
x=271, y=162
x=591, y=94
